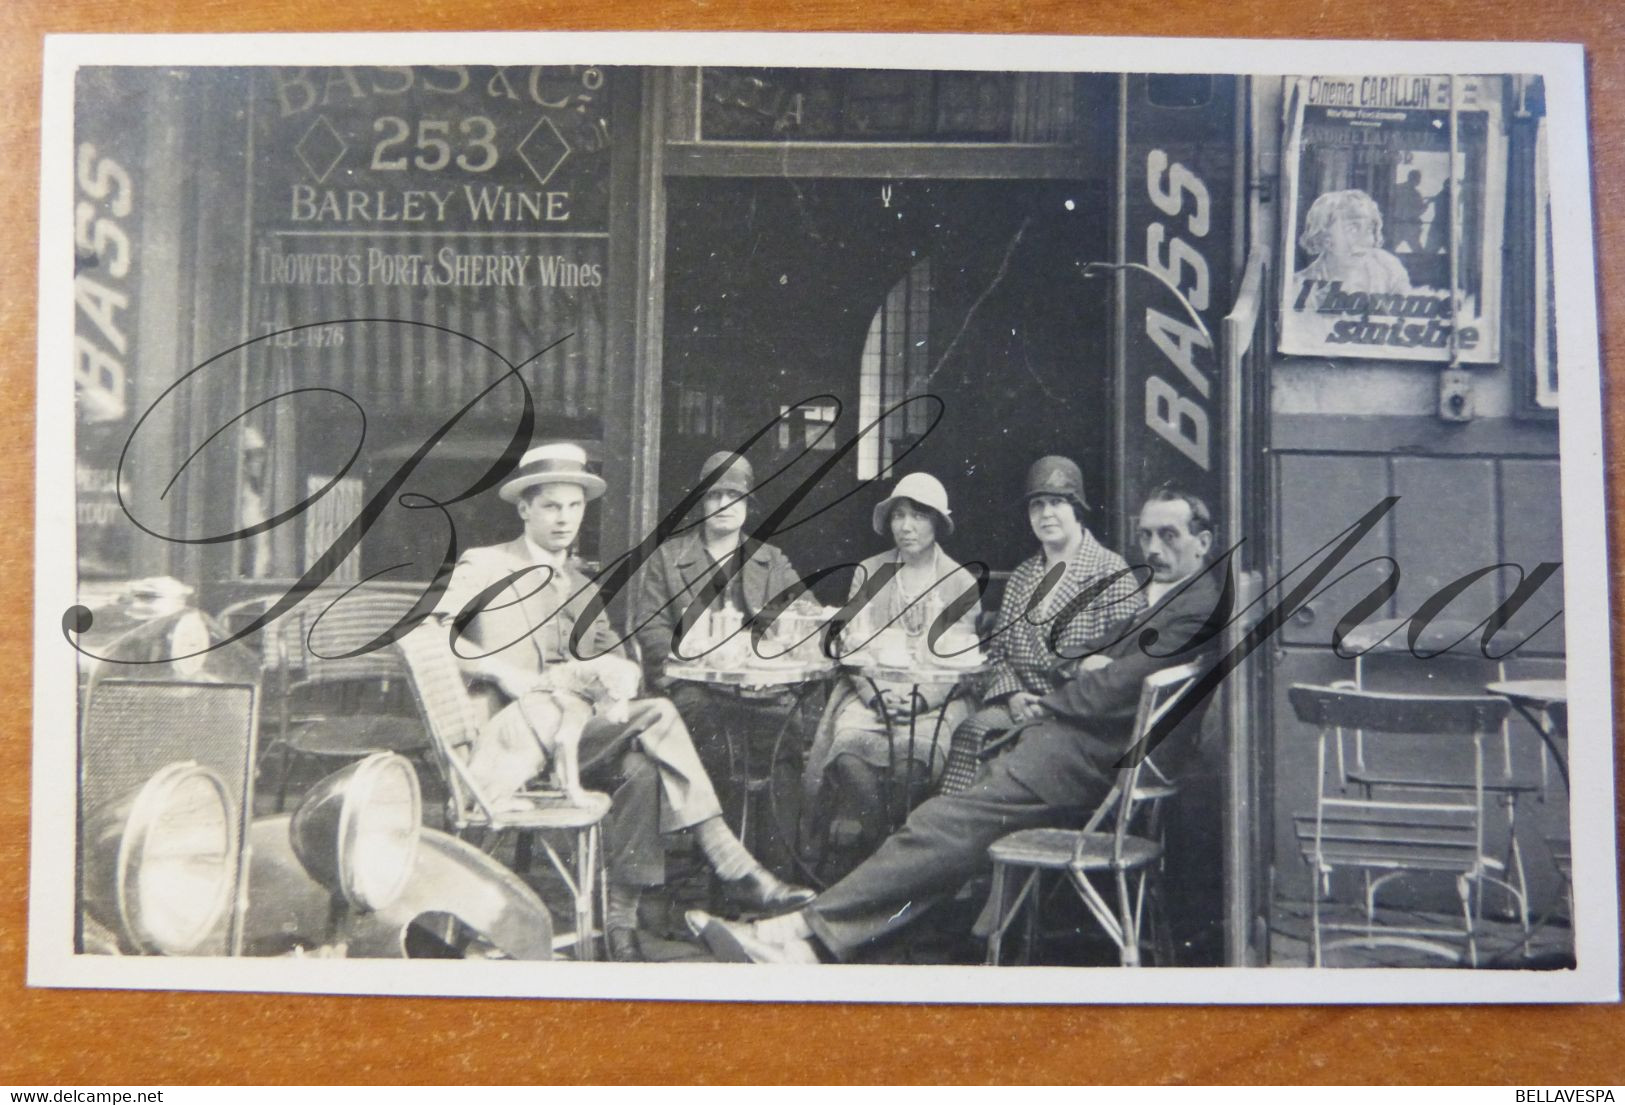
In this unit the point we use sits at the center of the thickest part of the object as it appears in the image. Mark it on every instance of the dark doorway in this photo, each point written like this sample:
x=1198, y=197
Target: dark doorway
x=866, y=293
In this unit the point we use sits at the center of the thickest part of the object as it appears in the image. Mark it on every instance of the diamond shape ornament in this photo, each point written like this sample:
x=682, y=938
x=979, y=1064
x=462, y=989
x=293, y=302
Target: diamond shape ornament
x=543, y=150
x=321, y=149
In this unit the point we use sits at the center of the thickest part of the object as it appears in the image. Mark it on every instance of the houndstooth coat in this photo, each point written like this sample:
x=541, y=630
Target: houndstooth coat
x=1032, y=643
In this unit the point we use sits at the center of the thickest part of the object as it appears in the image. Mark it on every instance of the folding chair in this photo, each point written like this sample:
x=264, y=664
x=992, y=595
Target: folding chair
x=1446, y=660
x=1128, y=860
x=453, y=724
x=1431, y=825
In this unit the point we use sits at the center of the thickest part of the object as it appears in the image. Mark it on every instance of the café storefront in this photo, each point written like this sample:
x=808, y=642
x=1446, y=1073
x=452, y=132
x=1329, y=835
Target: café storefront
x=987, y=267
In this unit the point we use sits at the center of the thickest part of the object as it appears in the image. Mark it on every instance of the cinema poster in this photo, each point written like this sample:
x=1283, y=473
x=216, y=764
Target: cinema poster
x=1396, y=189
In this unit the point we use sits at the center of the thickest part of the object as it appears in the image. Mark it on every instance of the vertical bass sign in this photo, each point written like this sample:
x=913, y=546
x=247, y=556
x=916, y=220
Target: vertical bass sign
x=1177, y=151
x=108, y=134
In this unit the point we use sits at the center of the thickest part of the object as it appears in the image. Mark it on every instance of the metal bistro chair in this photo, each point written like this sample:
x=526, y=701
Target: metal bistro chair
x=1384, y=662
x=453, y=722
x=327, y=705
x=1128, y=859
x=1438, y=830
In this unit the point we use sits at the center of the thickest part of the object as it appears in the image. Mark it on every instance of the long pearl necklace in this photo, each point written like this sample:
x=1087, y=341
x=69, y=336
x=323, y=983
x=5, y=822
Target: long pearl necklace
x=911, y=610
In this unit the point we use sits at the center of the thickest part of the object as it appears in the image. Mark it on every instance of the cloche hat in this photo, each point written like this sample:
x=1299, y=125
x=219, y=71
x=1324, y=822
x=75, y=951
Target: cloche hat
x=737, y=475
x=1056, y=476
x=917, y=487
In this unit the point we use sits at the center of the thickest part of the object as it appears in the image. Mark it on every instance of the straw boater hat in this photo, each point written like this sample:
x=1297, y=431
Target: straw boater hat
x=559, y=462
x=919, y=488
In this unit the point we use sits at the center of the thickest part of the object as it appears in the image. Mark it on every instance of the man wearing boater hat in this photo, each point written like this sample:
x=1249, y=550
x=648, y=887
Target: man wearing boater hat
x=712, y=567
x=526, y=597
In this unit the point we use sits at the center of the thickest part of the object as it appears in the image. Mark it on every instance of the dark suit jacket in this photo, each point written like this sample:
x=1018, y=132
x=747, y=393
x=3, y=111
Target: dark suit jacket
x=1063, y=758
x=677, y=575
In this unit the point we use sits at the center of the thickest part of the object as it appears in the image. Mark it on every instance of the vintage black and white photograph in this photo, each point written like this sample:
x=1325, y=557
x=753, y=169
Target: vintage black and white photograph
x=842, y=518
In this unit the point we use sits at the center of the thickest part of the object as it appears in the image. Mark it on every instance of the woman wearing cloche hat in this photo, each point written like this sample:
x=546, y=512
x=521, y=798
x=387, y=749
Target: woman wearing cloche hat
x=1058, y=605
x=715, y=549
x=864, y=730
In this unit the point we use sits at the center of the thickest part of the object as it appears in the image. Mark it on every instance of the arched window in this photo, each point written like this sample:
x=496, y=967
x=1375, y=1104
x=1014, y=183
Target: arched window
x=896, y=359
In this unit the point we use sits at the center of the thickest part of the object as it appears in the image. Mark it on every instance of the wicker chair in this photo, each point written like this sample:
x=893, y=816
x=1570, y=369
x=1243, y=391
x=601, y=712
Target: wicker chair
x=453, y=724
x=325, y=703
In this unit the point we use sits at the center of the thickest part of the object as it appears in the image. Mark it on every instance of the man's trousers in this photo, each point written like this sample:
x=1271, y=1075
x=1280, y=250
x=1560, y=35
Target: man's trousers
x=943, y=844
x=650, y=769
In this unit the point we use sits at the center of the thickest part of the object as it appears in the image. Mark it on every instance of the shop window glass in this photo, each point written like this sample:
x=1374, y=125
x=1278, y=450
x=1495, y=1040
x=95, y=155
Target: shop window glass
x=886, y=105
x=700, y=413
x=807, y=426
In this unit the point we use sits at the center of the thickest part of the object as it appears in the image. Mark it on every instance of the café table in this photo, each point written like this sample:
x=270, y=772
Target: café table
x=1544, y=704
x=922, y=676
x=754, y=681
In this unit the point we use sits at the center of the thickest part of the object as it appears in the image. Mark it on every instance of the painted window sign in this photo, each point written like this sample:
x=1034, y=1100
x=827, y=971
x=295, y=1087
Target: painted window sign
x=1395, y=192
x=477, y=196
x=433, y=146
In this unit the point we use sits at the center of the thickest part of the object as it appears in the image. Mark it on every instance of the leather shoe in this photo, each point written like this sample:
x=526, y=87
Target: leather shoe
x=624, y=946
x=764, y=891
x=732, y=942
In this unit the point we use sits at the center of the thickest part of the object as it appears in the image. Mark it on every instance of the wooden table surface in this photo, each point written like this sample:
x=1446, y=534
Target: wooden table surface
x=82, y=1038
